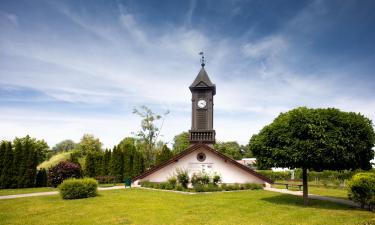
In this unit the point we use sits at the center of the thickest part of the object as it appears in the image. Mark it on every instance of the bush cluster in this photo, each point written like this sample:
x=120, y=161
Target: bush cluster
x=202, y=188
x=362, y=189
x=78, y=188
x=63, y=170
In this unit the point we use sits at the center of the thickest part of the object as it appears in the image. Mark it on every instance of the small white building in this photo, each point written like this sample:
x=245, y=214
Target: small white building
x=200, y=156
x=203, y=158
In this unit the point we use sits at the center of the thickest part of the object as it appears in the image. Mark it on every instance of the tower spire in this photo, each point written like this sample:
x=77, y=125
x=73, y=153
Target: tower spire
x=203, y=62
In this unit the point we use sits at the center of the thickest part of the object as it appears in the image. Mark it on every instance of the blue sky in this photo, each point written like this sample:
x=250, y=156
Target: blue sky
x=74, y=67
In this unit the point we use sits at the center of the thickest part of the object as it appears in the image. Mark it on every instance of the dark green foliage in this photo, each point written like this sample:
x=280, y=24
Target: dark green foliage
x=231, y=149
x=216, y=179
x=3, y=146
x=94, y=164
x=106, y=179
x=6, y=177
x=117, y=164
x=106, y=163
x=362, y=189
x=41, y=178
x=182, y=177
x=78, y=188
x=180, y=142
x=279, y=175
x=127, y=146
x=164, y=155
x=200, y=179
x=315, y=139
x=63, y=171
x=64, y=146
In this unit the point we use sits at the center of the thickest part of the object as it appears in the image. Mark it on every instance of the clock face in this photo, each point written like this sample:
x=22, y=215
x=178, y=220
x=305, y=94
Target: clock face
x=202, y=103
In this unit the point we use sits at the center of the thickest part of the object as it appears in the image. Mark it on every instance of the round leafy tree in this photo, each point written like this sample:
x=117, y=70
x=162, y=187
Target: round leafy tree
x=62, y=171
x=315, y=139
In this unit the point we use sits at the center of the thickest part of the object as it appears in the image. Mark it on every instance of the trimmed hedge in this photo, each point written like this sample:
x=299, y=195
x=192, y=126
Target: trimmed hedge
x=78, y=188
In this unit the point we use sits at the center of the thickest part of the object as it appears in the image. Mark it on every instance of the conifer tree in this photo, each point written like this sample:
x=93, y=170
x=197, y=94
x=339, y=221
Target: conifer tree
x=3, y=146
x=6, y=174
x=90, y=165
x=106, y=163
x=31, y=164
x=117, y=164
x=18, y=166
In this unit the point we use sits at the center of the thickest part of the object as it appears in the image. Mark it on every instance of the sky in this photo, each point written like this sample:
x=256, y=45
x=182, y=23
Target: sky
x=73, y=67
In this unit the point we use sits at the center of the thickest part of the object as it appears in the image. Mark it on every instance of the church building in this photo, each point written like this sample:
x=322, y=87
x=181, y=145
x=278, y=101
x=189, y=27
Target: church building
x=201, y=155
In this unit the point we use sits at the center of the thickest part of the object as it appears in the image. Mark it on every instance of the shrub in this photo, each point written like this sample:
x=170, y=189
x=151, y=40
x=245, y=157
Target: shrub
x=78, y=188
x=62, y=171
x=41, y=178
x=216, y=179
x=199, y=188
x=362, y=189
x=172, y=181
x=200, y=179
x=182, y=177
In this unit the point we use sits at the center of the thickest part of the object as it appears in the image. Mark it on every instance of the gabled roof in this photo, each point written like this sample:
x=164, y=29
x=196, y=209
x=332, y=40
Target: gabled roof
x=192, y=149
x=202, y=81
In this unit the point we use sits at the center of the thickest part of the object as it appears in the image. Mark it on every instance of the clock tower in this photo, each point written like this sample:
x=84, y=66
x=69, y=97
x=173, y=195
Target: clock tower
x=203, y=91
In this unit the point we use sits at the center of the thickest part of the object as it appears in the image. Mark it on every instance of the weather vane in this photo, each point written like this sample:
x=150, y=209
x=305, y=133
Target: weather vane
x=202, y=59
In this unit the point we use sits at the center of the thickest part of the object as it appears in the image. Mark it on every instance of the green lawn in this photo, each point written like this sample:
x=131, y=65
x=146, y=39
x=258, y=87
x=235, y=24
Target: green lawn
x=25, y=190
x=321, y=190
x=139, y=206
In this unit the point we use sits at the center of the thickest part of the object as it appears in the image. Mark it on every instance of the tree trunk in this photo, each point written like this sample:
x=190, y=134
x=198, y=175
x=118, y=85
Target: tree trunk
x=305, y=190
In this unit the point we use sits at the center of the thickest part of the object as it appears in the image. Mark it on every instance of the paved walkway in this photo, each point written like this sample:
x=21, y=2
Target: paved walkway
x=312, y=196
x=52, y=193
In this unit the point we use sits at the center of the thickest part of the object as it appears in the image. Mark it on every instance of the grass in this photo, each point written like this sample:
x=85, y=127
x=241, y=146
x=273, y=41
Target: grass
x=54, y=160
x=140, y=206
x=25, y=190
x=321, y=190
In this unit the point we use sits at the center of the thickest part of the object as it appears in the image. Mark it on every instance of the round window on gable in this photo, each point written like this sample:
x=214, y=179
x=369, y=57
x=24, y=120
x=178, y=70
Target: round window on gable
x=201, y=157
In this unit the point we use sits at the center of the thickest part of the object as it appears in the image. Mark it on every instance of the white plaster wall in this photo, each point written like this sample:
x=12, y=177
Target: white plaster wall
x=229, y=173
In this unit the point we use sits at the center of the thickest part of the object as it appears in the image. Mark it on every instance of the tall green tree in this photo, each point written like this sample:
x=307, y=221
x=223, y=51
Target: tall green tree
x=180, y=142
x=3, y=147
x=106, y=163
x=127, y=146
x=150, y=131
x=164, y=155
x=117, y=164
x=6, y=177
x=315, y=139
x=89, y=143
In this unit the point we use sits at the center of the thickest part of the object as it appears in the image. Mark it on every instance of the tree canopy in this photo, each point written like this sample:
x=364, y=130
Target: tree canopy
x=64, y=145
x=89, y=143
x=180, y=142
x=316, y=139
